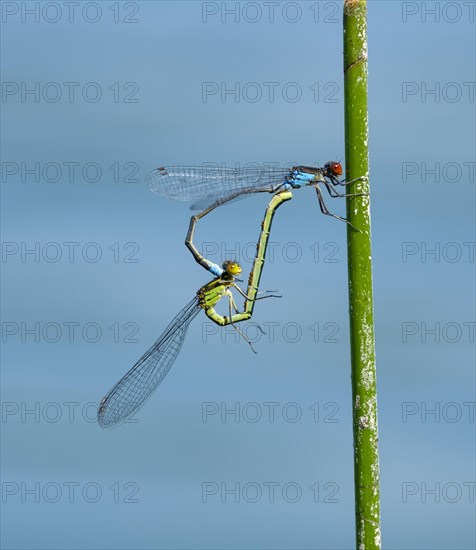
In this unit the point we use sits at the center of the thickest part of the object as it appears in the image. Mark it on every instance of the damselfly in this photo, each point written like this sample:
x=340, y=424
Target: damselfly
x=135, y=388
x=212, y=186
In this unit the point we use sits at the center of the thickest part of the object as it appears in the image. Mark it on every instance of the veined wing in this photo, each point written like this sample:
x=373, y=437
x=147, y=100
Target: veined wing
x=212, y=183
x=137, y=385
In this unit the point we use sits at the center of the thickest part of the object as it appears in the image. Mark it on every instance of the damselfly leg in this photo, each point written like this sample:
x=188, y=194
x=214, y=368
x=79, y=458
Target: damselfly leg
x=325, y=210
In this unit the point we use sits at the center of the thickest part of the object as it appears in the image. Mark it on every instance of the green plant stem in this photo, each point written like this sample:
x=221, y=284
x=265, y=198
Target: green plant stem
x=364, y=387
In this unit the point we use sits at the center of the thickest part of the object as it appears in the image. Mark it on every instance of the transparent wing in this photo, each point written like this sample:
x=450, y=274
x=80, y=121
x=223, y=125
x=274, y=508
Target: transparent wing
x=137, y=385
x=232, y=197
x=214, y=184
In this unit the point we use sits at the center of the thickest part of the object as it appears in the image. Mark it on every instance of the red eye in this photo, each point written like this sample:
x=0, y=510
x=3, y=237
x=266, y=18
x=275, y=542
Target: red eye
x=336, y=167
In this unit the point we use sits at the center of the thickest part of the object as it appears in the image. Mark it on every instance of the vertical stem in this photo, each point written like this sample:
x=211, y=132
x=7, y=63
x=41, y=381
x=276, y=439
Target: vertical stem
x=364, y=387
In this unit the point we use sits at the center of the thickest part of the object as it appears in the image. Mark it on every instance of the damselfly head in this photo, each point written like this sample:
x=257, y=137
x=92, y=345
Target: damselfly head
x=231, y=267
x=333, y=168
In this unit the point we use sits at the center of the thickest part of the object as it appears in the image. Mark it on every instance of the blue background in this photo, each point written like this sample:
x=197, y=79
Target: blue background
x=166, y=456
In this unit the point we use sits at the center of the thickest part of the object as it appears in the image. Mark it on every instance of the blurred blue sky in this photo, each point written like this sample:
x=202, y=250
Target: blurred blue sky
x=125, y=273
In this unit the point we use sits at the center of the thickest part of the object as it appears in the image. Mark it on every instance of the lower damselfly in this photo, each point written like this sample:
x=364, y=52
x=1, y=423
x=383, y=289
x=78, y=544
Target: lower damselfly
x=137, y=385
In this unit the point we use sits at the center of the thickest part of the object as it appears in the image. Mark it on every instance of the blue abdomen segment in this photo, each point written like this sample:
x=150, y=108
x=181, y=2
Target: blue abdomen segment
x=302, y=178
x=215, y=269
x=296, y=180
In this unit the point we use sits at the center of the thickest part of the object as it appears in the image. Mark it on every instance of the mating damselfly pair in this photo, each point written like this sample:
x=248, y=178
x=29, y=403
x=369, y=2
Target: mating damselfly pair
x=211, y=187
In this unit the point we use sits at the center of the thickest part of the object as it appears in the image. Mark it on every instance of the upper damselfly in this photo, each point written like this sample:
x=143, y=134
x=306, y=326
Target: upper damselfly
x=211, y=186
